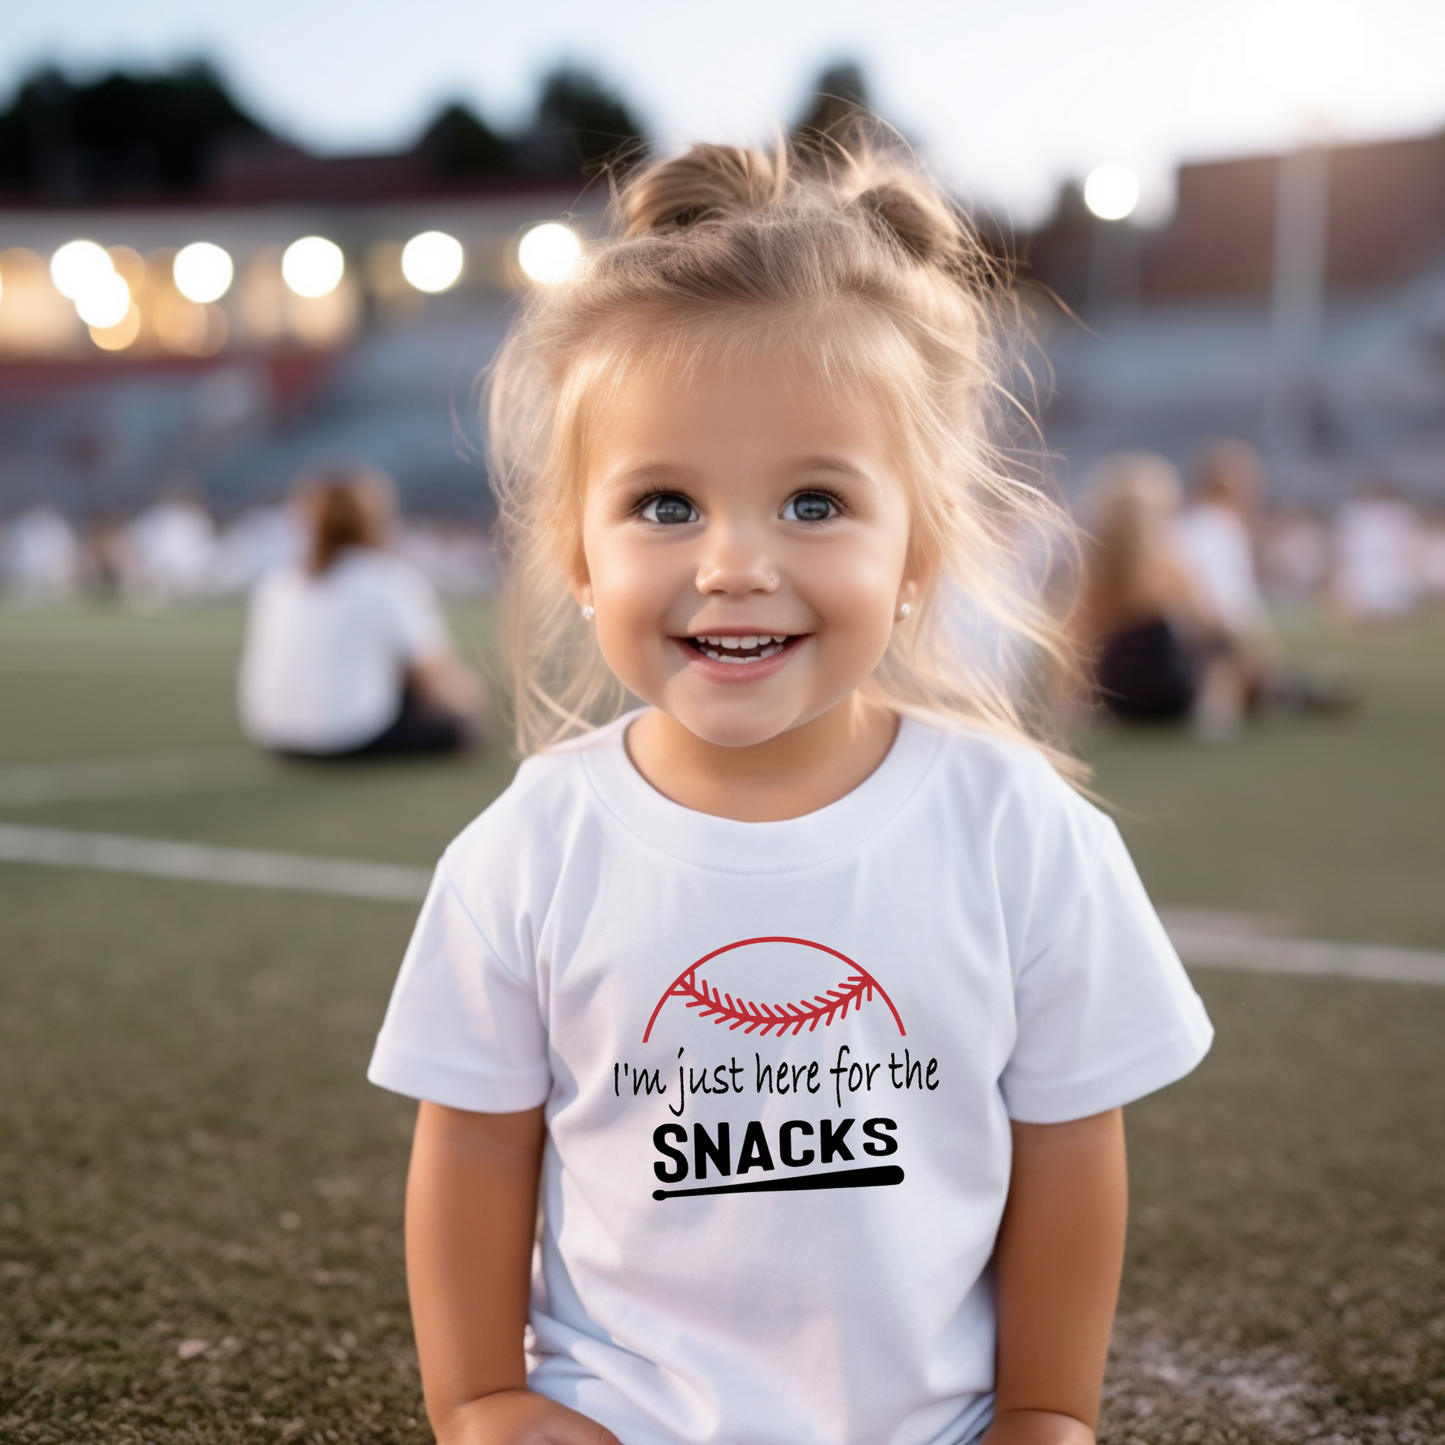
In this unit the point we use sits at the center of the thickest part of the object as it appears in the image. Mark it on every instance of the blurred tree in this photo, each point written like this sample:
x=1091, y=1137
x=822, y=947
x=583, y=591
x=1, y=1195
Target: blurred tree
x=120, y=135
x=1057, y=255
x=839, y=113
x=128, y=135
x=460, y=145
x=580, y=125
x=838, y=110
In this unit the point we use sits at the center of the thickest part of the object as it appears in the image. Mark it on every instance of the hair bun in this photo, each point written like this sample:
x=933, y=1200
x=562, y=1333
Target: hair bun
x=708, y=180
x=921, y=225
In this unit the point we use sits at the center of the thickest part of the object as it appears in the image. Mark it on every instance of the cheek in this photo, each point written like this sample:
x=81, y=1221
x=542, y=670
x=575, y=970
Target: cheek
x=631, y=582
x=859, y=586
x=627, y=632
x=632, y=590
x=614, y=570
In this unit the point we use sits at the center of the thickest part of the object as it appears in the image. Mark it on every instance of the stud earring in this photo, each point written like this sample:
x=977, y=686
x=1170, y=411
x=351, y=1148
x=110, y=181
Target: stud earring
x=588, y=613
x=904, y=611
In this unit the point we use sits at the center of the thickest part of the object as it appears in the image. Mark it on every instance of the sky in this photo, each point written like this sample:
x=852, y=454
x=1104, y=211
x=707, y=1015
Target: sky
x=1007, y=98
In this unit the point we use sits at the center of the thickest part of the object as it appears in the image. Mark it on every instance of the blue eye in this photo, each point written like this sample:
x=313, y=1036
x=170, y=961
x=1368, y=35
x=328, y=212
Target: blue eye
x=669, y=509
x=810, y=507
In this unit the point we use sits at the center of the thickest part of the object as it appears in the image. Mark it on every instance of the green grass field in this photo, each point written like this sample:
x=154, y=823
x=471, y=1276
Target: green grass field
x=191, y=1157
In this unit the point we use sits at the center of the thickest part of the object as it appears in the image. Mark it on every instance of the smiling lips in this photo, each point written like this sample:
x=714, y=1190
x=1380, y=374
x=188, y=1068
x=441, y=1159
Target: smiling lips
x=740, y=650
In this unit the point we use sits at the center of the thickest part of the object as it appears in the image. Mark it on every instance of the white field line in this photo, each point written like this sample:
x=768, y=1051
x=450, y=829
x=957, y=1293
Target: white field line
x=28, y=784
x=1208, y=939
x=1204, y=938
x=206, y=863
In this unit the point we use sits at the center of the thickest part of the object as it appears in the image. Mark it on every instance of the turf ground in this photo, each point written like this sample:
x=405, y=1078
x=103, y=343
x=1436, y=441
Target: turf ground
x=200, y=1196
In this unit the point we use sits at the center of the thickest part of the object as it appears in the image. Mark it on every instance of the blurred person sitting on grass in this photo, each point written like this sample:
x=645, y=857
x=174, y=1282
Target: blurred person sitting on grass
x=1163, y=653
x=40, y=556
x=165, y=555
x=1378, y=553
x=347, y=653
x=1215, y=538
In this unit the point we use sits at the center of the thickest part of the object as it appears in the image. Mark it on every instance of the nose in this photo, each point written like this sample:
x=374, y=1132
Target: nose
x=734, y=563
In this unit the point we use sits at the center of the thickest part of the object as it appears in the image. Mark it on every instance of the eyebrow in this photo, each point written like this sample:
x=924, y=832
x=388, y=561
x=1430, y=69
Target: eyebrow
x=652, y=474
x=827, y=463
x=664, y=474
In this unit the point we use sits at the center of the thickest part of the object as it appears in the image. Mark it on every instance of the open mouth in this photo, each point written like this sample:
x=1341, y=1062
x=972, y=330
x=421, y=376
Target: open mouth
x=739, y=650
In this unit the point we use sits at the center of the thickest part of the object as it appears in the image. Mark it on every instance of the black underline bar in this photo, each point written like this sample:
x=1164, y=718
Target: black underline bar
x=879, y=1174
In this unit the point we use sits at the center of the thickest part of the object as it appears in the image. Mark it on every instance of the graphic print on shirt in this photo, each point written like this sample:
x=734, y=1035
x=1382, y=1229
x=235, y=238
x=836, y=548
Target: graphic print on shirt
x=855, y=990
x=814, y=1018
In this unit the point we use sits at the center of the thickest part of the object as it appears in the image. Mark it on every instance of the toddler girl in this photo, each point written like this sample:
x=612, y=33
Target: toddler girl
x=808, y=993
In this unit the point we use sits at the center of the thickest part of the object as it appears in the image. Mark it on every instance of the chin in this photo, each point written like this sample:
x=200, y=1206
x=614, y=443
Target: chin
x=725, y=728
x=723, y=737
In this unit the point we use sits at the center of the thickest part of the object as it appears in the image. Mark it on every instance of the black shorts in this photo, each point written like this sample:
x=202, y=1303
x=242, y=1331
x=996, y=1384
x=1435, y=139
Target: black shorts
x=1148, y=673
x=419, y=728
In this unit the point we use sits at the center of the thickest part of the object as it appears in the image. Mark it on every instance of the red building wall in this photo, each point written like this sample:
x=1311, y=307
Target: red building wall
x=1386, y=224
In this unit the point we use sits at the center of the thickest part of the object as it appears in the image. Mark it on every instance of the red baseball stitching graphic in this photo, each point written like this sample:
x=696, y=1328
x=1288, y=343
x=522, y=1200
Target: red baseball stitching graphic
x=741, y=1013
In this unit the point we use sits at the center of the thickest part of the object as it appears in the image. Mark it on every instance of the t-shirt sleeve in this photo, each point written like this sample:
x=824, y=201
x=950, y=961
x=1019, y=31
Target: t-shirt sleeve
x=463, y=1029
x=1105, y=1012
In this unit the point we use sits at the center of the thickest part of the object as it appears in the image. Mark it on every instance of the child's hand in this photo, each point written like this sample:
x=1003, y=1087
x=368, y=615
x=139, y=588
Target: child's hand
x=1037, y=1427
x=519, y=1417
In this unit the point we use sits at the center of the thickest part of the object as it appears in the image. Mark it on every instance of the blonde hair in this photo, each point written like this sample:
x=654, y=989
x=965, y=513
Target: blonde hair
x=731, y=252
x=1130, y=501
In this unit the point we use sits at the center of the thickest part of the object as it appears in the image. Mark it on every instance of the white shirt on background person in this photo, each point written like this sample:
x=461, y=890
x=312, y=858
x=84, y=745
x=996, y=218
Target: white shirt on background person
x=1218, y=553
x=326, y=656
x=171, y=548
x=39, y=554
x=1377, y=548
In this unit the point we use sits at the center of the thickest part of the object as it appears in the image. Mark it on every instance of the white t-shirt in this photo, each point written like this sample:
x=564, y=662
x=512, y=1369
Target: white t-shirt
x=779, y=1061
x=1378, y=543
x=326, y=657
x=1216, y=549
x=173, y=547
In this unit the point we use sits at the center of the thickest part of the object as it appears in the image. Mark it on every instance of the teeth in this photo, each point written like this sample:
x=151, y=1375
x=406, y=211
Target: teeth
x=762, y=639
x=761, y=647
x=757, y=646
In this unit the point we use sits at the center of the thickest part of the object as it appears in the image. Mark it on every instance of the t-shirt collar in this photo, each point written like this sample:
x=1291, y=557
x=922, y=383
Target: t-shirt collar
x=734, y=847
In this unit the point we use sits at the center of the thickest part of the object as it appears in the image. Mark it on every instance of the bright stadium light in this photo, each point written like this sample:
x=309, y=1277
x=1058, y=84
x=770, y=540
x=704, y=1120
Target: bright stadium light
x=1111, y=192
x=549, y=253
x=313, y=266
x=120, y=336
x=104, y=302
x=1306, y=48
x=77, y=266
x=432, y=261
x=202, y=272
